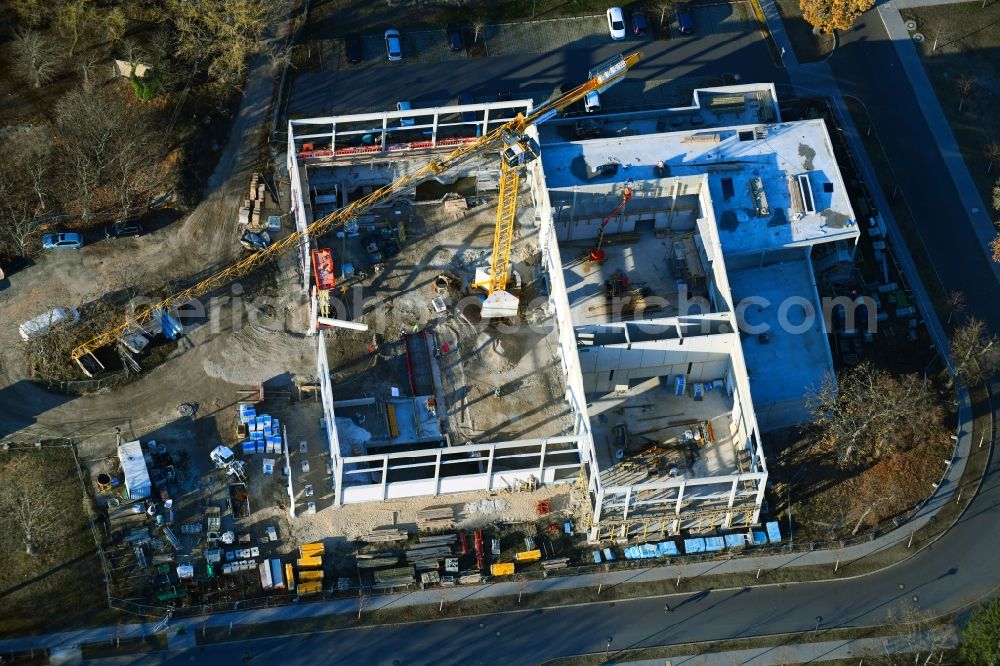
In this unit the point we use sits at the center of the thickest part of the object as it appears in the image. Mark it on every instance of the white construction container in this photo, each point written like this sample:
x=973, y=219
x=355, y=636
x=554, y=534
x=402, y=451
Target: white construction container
x=137, y=481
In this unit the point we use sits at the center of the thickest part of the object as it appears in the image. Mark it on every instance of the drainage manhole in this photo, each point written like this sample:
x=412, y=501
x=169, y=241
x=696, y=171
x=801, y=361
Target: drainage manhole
x=918, y=37
x=911, y=25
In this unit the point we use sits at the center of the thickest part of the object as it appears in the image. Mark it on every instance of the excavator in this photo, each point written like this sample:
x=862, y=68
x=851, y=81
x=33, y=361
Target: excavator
x=517, y=149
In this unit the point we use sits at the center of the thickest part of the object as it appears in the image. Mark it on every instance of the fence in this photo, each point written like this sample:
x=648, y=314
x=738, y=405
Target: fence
x=278, y=119
x=83, y=386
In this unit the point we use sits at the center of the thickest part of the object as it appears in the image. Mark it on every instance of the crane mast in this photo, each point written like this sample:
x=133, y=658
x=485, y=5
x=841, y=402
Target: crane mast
x=516, y=148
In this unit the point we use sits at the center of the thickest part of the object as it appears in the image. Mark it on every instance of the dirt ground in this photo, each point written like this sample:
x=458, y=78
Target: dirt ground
x=808, y=47
x=967, y=40
x=61, y=584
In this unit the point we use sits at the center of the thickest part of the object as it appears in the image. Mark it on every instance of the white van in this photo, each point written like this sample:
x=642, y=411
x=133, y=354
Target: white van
x=44, y=323
x=592, y=102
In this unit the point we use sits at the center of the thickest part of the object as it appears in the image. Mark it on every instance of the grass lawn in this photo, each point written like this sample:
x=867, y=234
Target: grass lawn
x=61, y=586
x=968, y=45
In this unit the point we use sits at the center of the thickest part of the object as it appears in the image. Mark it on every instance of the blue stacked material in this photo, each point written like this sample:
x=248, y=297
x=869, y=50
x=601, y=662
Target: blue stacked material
x=247, y=413
x=597, y=557
x=256, y=435
x=667, y=549
x=759, y=537
x=773, y=531
x=609, y=555
x=260, y=446
x=266, y=419
x=249, y=448
x=714, y=544
x=736, y=540
x=696, y=545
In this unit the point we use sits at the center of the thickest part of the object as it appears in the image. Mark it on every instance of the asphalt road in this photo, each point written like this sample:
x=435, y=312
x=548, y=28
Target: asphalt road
x=866, y=66
x=380, y=87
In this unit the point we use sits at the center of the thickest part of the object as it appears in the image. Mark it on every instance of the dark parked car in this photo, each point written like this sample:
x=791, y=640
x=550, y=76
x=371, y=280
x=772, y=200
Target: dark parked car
x=455, y=41
x=122, y=229
x=352, y=46
x=639, y=23
x=685, y=24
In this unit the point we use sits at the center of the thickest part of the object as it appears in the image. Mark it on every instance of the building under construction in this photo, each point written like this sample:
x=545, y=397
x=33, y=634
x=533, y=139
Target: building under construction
x=664, y=268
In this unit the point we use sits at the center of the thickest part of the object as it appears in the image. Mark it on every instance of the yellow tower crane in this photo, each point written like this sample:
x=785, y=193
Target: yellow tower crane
x=516, y=148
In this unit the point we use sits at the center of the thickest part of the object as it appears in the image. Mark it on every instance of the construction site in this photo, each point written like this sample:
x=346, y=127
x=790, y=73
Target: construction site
x=530, y=351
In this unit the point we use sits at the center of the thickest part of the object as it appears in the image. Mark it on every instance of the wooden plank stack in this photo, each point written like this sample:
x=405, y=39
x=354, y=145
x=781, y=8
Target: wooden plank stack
x=555, y=563
x=377, y=560
x=435, y=518
x=386, y=535
x=396, y=577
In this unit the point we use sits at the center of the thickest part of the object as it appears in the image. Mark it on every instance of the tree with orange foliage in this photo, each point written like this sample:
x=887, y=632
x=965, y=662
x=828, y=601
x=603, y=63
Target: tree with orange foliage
x=830, y=15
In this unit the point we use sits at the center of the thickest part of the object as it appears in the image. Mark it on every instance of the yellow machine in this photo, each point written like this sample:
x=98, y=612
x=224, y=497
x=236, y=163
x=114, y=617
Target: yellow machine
x=517, y=148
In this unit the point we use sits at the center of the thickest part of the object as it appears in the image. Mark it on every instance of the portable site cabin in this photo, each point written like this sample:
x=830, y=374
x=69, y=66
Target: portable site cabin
x=137, y=481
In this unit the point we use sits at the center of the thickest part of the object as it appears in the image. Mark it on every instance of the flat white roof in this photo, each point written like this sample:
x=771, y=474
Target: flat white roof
x=732, y=158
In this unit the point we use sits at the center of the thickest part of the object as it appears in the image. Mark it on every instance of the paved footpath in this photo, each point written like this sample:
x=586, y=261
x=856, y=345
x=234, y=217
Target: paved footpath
x=803, y=653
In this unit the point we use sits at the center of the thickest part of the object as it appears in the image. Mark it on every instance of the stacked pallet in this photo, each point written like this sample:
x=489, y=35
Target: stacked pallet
x=310, y=572
x=396, y=577
x=377, y=561
x=438, y=518
x=555, y=563
x=252, y=211
x=384, y=535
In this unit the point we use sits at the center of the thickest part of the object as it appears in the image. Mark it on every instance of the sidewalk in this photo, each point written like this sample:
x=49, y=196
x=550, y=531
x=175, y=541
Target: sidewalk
x=972, y=202
x=777, y=29
x=802, y=653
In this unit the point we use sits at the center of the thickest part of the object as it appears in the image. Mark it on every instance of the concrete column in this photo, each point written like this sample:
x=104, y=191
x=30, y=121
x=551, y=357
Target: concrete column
x=628, y=500
x=333, y=137
x=489, y=469
x=385, y=475
x=541, y=463
x=437, y=474
x=434, y=131
x=680, y=498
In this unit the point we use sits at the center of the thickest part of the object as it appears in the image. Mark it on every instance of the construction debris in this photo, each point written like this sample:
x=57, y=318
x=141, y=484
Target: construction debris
x=435, y=518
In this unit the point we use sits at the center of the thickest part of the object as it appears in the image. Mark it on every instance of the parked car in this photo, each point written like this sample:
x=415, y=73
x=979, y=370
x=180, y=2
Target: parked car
x=463, y=99
x=616, y=23
x=455, y=41
x=685, y=24
x=639, y=23
x=255, y=241
x=405, y=106
x=352, y=48
x=122, y=229
x=592, y=102
x=393, y=45
x=44, y=323
x=51, y=241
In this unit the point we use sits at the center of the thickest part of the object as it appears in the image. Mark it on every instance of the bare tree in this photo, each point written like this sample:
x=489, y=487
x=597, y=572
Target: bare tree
x=26, y=500
x=33, y=57
x=956, y=304
x=222, y=33
x=916, y=639
x=996, y=196
x=24, y=183
x=115, y=24
x=974, y=351
x=992, y=152
x=995, y=248
x=74, y=18
x=363, y=596
x=873, y=414
x=478, y=26
x=663, y=6
x=105, y=141
x=965, y=86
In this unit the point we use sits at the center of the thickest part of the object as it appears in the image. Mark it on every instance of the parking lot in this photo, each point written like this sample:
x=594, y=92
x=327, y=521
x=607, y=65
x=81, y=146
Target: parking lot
x=534, y=59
